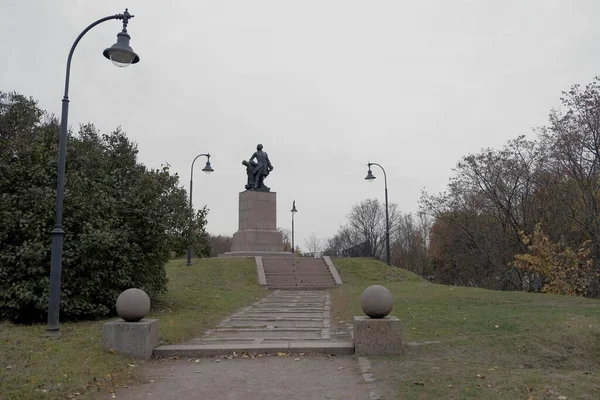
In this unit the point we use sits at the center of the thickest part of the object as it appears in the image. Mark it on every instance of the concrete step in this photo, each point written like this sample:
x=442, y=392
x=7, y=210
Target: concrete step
x=300, y=285
x=292, y=276
x=218, y=349
x=292, y=280
x=290, y=334
x=298, y=271
x=274, y=319
x=274, y=323
x=292, y=287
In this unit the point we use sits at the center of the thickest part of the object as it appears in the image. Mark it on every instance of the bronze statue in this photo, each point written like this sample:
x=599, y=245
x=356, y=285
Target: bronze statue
x=258, y=171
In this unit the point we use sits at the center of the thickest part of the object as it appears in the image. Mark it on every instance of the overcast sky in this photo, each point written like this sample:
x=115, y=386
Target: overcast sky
x=325, y=86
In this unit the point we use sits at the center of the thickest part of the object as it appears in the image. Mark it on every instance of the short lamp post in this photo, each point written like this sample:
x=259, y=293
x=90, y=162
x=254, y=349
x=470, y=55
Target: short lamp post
x=122, y=55
x=207, y=169
x=294, y=210
x=370, y=178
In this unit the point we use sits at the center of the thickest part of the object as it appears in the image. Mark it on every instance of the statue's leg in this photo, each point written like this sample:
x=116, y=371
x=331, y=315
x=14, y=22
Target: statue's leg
x=257, y=180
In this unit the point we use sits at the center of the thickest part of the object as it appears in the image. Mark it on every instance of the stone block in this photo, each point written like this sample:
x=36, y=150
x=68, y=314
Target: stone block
x=137, y=339
x=257, y=240
x=377, y=337
x=258, y=210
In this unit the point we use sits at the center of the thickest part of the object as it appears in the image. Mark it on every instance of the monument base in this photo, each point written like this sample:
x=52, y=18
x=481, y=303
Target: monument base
x=377, y=336
x=137, y=339
x=257, y=234
x=257, y=240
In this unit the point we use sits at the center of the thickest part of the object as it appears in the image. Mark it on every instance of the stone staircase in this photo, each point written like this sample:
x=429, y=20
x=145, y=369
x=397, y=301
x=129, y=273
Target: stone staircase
x=284, y=321
x=299, y=273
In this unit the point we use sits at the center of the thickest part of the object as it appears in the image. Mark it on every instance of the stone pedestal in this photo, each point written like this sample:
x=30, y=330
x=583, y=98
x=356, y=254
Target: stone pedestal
x=257, y=233
x=377, y=337
x=137, y=339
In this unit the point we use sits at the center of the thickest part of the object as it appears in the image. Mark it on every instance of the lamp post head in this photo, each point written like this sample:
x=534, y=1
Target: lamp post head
x=294, y=210
x=120, y=53
x=207, y=168
x=370, y=177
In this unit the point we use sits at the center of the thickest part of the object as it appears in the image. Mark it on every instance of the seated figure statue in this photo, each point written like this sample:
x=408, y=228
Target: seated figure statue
x=258, y=171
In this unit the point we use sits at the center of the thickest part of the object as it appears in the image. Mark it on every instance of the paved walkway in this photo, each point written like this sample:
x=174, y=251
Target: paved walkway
x=267, y=378
x=290, y=325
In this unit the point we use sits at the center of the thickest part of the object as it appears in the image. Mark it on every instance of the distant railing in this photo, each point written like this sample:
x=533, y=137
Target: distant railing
x=313, y=255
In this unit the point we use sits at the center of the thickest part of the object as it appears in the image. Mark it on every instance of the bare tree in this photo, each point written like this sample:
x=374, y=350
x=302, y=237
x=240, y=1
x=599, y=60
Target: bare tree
x=410, y=248
x=287, y=239
x=313, y=244
x=364, y=230
x=219, y=244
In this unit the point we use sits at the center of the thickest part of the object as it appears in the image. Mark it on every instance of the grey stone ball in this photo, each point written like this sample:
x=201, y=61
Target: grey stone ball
x=133, y=305
x=376, y=301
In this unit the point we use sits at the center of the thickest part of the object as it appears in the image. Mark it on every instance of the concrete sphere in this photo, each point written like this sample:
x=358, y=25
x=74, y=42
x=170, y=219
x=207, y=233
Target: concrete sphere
x=376, y=301
x=133, y=305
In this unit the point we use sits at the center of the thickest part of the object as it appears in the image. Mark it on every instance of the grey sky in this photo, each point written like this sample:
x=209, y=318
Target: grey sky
x=325, y=85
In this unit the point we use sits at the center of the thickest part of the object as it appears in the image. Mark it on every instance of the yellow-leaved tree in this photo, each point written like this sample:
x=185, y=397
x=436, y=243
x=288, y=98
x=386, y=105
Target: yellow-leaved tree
x=562, y=269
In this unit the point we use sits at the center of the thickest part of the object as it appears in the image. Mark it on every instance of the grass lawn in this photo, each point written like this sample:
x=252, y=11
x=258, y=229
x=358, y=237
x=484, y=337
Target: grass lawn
x=35, y=367
x=491, y=345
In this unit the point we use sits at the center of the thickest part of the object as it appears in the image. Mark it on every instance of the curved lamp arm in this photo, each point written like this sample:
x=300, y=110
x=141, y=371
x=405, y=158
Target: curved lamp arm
x=207, y=155
x=384, y=174
x=124, y=16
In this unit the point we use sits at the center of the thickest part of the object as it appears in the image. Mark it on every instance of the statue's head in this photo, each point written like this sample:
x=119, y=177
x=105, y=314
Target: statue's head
x=259, y=147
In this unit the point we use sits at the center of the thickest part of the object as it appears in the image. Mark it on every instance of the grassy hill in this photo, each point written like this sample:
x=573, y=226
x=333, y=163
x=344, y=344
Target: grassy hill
x=35, y=367
x=486, y=344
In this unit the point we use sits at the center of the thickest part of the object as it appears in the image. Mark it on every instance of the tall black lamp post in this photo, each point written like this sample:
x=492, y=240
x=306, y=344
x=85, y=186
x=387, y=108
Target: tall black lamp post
x=293, y=211
x=121, y=54
x=208, y=169
x=370, y=178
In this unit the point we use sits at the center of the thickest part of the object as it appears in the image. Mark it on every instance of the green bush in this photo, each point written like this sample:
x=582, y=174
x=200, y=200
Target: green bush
x=121, y=219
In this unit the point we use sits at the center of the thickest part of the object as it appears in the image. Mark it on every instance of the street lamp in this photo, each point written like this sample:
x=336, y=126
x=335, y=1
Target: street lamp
x=207, y=169
x=293, y=211
x=121, y=54
x=370, y=178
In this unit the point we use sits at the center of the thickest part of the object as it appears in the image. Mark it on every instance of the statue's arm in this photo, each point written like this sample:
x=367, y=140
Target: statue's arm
x=269, y=165
x=252, y=157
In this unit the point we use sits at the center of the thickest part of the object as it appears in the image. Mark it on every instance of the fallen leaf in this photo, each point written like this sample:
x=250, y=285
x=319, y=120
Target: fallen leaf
x=481, y=376
x=340, y=368
x=280, y=354
x=419, y=383
x=296, y=359
x=197, y=360
x=132, y=365
x=113, y=396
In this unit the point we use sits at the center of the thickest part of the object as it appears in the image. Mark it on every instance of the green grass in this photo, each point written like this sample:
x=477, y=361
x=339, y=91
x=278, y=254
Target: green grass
x=521, y=345
x=35, y=367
